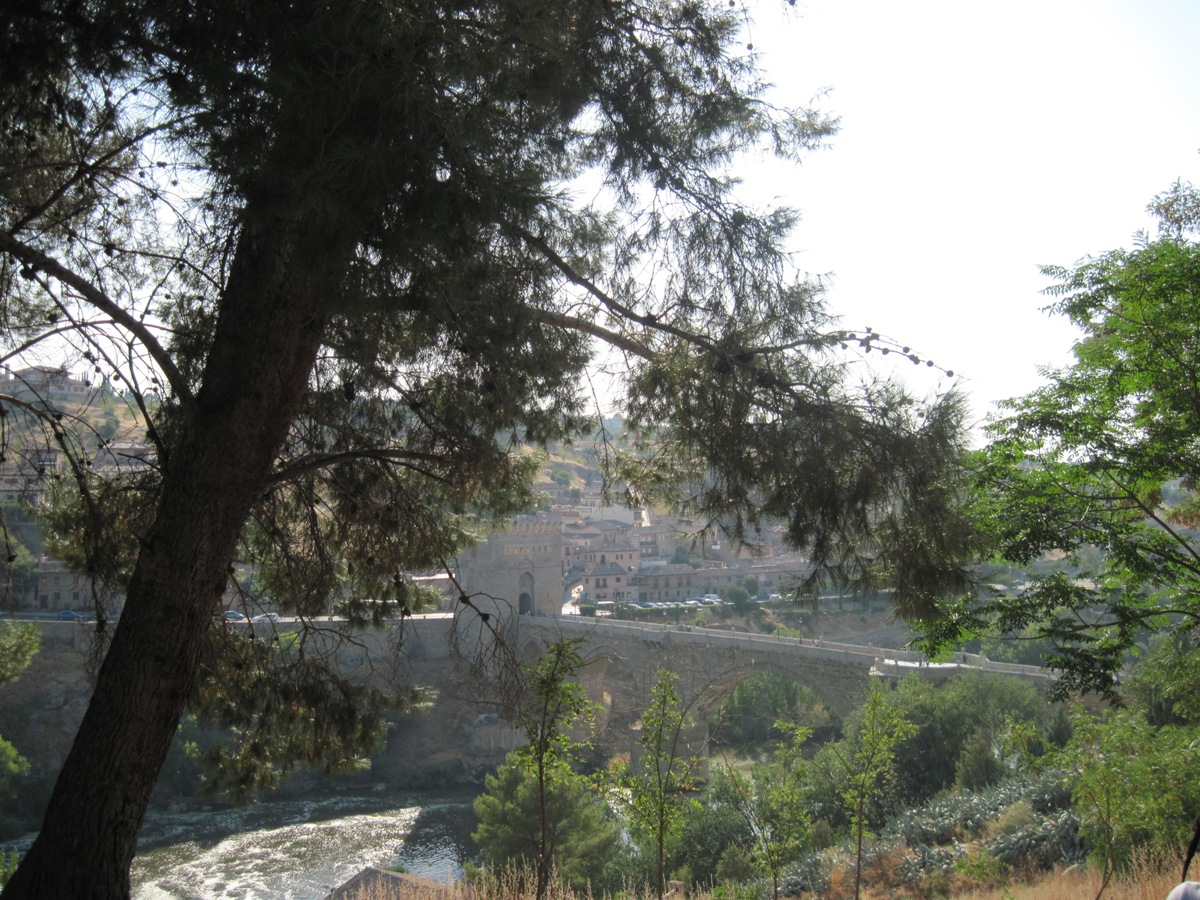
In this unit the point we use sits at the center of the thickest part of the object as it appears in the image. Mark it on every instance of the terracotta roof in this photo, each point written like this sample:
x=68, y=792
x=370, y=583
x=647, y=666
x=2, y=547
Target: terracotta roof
x=607, y=568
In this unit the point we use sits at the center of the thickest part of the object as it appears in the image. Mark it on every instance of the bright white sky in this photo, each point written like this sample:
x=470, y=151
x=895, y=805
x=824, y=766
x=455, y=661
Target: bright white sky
x=977, y=142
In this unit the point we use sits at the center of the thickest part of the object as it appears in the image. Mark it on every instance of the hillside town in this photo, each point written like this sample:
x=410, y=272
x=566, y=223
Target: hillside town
x=32, y=461
x=586, y=553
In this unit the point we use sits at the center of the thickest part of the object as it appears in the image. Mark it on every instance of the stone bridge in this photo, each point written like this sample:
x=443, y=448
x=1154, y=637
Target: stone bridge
x=622, y=661
x=624, y=658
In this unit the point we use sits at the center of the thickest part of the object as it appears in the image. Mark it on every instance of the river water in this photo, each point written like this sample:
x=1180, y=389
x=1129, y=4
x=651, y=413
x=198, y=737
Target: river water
x=300, y=849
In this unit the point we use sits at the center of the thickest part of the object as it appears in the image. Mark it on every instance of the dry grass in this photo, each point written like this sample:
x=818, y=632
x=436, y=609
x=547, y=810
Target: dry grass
x=506, y=884
x=376, y=884
x=1149, y=880
x=1082, y=885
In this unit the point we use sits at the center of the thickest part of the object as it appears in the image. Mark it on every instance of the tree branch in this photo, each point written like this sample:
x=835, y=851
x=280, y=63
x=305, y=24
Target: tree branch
x=607, y=301
x=401, y=457
x=616, y=339
x=105, y=304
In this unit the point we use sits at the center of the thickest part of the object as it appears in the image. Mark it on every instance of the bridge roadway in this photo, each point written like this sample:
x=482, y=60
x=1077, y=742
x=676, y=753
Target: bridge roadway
x=635, y=651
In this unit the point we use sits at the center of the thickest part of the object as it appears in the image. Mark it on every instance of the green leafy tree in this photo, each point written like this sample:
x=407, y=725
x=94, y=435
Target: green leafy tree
x=739, y=598
x=12, y=766
x=979, y=764
x=957, y=725
x=653, y=789
x=22, y=570
x=332, y=254
x=8, y=865
x=736, y=867
x=775, y=806
x=1102, y=463
x=749, y=720
x=523, y=821
x=556, y=705
x=299, y=707
x=1133, y=786
x=711, y=827
x=1166, y=681
x=785, y=823
x=19, y=641
x=865, y=764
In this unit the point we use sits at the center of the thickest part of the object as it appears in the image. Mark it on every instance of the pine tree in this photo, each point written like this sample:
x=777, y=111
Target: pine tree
x=348, y=260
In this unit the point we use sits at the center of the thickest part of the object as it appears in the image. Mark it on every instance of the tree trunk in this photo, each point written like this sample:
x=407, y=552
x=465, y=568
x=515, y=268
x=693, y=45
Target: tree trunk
x=662, y=852
x=858, y=842
x=543, y=863
x=269, y=329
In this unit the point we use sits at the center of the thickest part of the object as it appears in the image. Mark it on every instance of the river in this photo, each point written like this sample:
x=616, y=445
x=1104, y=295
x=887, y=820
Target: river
x=300, y=849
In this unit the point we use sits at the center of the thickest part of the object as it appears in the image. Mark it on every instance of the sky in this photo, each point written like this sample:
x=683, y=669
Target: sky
x=977, y=143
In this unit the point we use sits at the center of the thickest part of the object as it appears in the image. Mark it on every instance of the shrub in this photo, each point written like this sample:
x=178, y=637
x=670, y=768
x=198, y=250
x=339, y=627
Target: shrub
x=811, y=875
x=981, y=869
x=968, y=813
x=8, y=865
x=1043, y=844
x=1012, y=819
x=735, y=866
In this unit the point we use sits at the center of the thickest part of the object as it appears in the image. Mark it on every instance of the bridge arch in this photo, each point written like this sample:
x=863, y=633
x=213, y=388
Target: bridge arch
x=710, y=663
x=838, y=686
x=530, y=651
x=617, y=686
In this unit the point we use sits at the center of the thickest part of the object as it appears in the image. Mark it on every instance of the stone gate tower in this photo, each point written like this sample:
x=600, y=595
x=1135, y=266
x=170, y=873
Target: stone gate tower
x=520, y=566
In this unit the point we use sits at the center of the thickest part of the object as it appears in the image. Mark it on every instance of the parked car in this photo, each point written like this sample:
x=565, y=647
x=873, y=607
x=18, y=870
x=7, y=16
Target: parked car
x=69, y=615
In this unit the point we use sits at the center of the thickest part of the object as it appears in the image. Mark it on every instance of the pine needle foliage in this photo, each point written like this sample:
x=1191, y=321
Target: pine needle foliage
x=349, y=259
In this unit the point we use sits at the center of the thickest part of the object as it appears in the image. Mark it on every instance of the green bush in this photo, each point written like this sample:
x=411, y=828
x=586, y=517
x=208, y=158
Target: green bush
x=8, y=865
x=736, y=866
